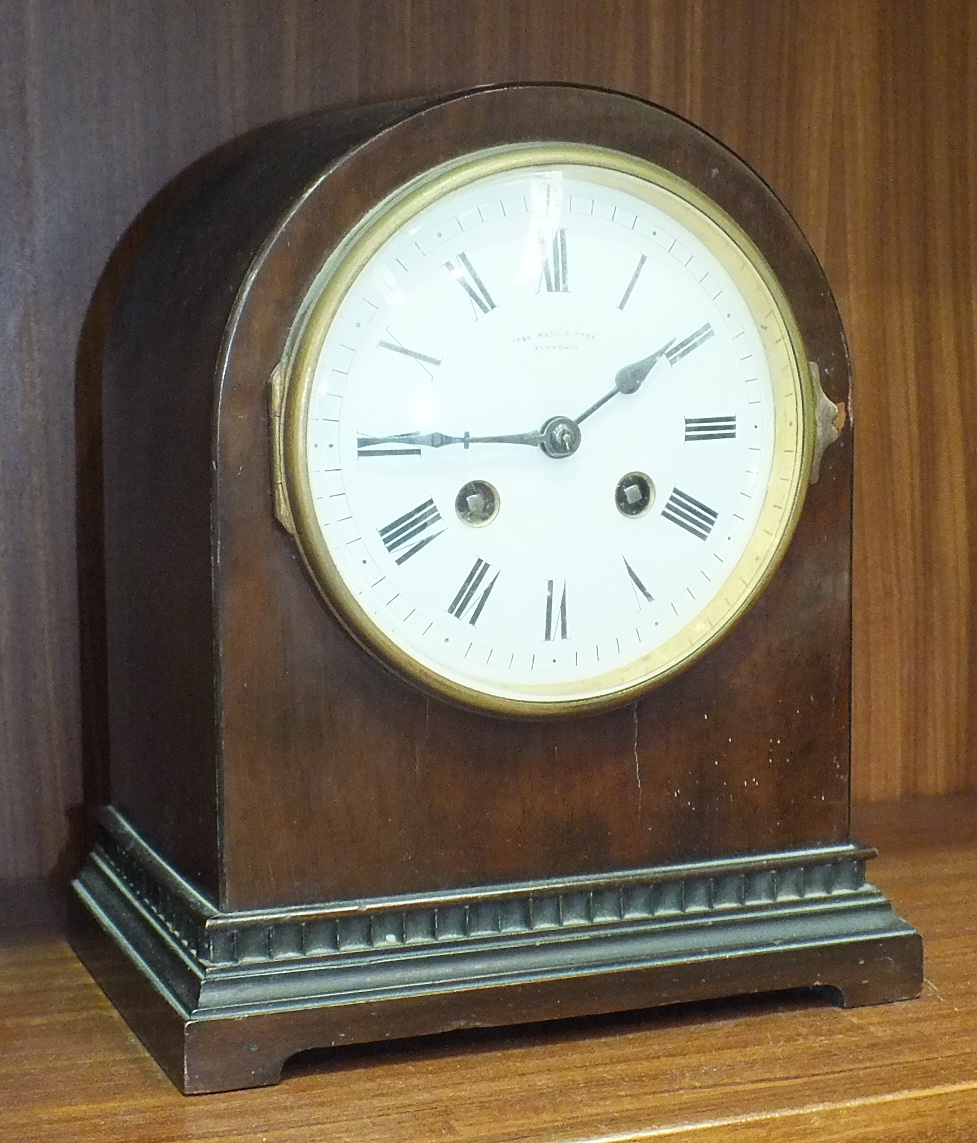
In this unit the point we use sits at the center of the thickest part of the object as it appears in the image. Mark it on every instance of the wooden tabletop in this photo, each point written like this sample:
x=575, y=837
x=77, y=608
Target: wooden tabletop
x=769, y=1068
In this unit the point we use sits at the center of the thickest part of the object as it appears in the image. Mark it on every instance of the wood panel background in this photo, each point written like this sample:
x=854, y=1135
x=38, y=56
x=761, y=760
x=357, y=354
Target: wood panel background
x=862, y=114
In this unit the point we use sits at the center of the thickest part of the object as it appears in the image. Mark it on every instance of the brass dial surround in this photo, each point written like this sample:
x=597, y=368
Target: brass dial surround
x=794, y=428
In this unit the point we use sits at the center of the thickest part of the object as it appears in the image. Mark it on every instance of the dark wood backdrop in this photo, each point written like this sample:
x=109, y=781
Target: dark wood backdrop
x=862, y=114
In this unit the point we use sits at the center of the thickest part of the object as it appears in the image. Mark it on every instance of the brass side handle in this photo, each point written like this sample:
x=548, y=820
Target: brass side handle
x=276, y=403
x=829, y=419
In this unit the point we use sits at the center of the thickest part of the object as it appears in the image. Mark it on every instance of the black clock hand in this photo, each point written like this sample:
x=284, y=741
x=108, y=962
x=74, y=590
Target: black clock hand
x=559, y=437
x=439, y=440
x=629, y=379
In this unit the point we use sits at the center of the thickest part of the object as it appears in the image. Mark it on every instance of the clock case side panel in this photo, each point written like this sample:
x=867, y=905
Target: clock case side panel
x=190, y=251
x=364, y=786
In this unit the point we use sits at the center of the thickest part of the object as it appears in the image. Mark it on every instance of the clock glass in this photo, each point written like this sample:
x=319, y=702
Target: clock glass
x=546, y=427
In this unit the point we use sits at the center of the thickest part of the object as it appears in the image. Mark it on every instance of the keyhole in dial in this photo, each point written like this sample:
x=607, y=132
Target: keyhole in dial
x=477, y=503
x=634, y=494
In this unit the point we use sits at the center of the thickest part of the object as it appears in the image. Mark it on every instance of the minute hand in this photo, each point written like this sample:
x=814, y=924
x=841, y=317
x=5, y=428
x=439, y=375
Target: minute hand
x=629, y=379
x=439, y=440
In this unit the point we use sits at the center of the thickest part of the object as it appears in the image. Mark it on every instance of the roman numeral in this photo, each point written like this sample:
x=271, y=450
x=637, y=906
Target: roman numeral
x=384, y=446
x=468, y=603
x=554, y=275
x=634, y=278
x=693, y=341
x=556, y=611
x=640, y=591
x=422, y=359
x=410, y=527
x=467, y=277
x=690, y=514
x=710, y=428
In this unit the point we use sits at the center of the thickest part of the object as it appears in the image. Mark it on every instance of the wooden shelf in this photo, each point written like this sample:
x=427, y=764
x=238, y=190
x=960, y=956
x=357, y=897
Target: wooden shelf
x=771, y=1068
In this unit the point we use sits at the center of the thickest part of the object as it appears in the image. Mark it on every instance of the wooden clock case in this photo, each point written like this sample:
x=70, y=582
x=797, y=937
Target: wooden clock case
x=302, y=849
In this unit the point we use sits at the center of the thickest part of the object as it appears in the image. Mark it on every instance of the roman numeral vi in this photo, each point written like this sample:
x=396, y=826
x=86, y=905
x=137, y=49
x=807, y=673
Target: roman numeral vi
x=556, y=611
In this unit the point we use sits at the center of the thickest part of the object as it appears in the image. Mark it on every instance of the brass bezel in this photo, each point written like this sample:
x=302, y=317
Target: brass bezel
x=294, y=378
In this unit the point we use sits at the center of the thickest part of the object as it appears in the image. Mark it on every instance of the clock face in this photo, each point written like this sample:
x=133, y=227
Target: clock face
x=546, y=430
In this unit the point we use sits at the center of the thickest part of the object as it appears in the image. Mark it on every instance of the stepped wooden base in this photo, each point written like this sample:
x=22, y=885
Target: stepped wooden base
x=221, y=1000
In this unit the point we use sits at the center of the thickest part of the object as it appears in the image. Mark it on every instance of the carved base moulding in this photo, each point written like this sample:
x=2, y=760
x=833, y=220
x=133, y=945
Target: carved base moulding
x=223, y=999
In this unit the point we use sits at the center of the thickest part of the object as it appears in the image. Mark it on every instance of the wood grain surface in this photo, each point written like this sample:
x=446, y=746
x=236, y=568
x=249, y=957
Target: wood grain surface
x=862, y=114
x=772, y=1068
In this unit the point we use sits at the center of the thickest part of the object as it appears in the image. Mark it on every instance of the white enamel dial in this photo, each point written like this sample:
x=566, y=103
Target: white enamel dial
x=546, y=429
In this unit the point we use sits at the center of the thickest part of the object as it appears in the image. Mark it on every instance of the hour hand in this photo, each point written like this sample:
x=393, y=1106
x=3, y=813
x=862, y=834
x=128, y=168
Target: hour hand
x=629, y=378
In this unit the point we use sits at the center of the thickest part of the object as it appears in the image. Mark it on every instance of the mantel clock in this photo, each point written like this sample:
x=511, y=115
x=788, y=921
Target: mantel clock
x=477, y=499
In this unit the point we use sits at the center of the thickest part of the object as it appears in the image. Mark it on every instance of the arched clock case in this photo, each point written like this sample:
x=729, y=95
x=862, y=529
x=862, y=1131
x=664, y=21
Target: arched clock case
x=478, y=530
